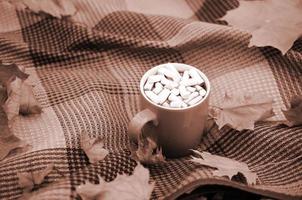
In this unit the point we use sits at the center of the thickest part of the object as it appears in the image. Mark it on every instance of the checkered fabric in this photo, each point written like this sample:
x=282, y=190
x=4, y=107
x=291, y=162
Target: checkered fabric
x=87, y=79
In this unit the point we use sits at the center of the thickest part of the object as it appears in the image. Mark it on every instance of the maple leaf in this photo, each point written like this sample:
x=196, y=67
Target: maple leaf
x=55, y=8
x=20, y=94
x=9, y=143
x=275, y=23
x=93, y=148
x=294, y=113
x=148, y=152
x=242, y=111
x=12, y=77
x=8, y=73
x=12, y=104
x=27, y=180
x=134, y=187
x=225, y=166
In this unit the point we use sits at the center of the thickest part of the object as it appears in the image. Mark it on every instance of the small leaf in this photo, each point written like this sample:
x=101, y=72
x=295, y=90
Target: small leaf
x=20, y=94
x=12, y=77
x=93, y=148
x=40, y=175
x=147, y=152
x=28, y=101
x=135, y=186
x=294, y=113
x=55, y=8
x=12, y=104
x=9, y=143
x=8, y=72
x=27, y=180
x=275, y=23
x=242, y=111
x=225, y=166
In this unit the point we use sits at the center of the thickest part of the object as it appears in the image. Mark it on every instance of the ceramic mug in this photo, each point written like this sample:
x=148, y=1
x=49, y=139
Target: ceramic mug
x=176, y=130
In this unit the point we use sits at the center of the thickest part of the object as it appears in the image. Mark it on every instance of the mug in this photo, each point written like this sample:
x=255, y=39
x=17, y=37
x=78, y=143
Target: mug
x=175, y=130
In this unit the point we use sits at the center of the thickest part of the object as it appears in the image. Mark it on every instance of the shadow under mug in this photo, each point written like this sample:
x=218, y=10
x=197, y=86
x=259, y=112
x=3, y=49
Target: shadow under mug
x=175, y=130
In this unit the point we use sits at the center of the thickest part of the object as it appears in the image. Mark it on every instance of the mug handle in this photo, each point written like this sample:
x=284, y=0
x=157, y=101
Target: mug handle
x=138, y=122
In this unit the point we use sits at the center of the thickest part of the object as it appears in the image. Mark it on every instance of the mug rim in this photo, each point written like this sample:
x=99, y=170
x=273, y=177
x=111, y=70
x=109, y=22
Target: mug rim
x=177, y=65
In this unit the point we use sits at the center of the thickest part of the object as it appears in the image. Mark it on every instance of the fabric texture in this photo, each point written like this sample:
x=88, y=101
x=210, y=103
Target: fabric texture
x=87, y=80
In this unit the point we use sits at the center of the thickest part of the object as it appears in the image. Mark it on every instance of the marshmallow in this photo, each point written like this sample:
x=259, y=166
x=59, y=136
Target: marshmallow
x=195, y=100
x=175, y=104
x=202, y=92
x=173, y=97
x=166, y=104
x=195, y=80
x=192, y=96
x=154, y=78
x=168, y=73
x=158, y=88
x=191, y=89
x=174, y=70
x=185, y=76
x=163, y=95
x=148, y=86
x=184, y=105
x=195, y=75
x=168, y=83
x=191, y=82
x=175, y=91
x=153, y=97
x=198, y=87
x=184, y=93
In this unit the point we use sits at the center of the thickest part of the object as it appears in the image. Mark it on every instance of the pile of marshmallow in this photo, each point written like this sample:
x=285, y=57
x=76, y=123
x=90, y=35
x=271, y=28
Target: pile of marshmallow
x=175, y=89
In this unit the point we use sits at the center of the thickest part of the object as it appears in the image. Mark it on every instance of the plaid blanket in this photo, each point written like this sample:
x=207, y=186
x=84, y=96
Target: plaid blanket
x=87, y=79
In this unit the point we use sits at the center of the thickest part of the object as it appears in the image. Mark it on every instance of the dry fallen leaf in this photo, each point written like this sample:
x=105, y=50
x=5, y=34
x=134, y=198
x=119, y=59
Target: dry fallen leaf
x=20, y=94
x=134, y=187
x=12, y=77
x=294, y=113
x=11, y=80
x=55, y=8
x=27, y=180
x=28, y=101
x=242, y=111
x=9, y=143
x=225, y=166
x=12, y=104
x=8, y=72
x=148, y=152
x=276, y=23
x=93, y=148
